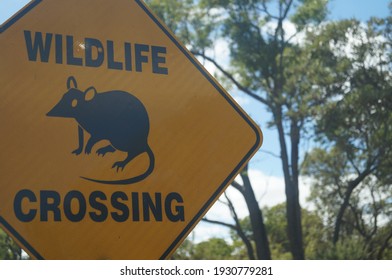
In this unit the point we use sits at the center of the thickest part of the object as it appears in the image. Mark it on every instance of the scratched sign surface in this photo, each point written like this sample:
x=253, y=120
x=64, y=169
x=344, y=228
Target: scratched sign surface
x=115, y=140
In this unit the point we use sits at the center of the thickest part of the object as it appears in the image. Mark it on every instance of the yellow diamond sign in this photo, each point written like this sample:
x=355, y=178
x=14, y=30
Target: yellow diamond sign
x=116, y=141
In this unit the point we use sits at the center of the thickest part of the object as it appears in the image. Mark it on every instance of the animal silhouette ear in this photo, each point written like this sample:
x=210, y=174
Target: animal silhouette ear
x=71, y=82
x=90, y=93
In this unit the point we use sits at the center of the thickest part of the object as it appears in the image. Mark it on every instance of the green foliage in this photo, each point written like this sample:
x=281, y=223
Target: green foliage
x=337, y=78
x=184, y=251
x=366, y=227
x=310, y=12
x=9, y=250
x=317, y=243
x=174, y=14
x=269, y=65
x=190, y=24
x=352, y=187
x=252, y=54
x=212, y=249
x=350, y=249
x=276, y=224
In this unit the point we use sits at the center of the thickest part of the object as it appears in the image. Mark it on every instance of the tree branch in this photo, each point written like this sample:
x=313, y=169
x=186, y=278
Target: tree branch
x=239, y=230
x=231, y=78
x=384, y=246
x=219, y=223
x=238, y=187
x=350, y=188
x=265, y=10
x=270, y=153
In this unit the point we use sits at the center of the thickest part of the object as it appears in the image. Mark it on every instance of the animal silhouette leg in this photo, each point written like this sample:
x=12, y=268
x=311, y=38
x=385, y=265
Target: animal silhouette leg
x=103, y=151
x=81, y=142
x=91, y=142
x=119, y=165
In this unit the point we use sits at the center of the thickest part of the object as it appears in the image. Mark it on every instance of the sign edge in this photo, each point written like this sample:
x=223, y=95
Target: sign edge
x=236, y=107
x=24, y=244
x=258, y=133
x=22, y=12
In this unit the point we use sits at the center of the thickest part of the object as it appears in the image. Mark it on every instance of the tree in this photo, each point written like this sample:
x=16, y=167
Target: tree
x=266, y=69
x=354, y=130
x=365, y=229
x=211, y=249
x=262, y=57
x=196, y=28
x=9, y=250
x=184, y=251
x=276, y=223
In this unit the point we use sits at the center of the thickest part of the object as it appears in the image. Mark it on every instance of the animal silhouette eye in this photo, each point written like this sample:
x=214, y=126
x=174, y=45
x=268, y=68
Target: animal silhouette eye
x=74, y=103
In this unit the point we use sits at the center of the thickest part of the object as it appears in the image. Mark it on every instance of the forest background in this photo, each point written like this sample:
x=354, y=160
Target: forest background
x=316, y=76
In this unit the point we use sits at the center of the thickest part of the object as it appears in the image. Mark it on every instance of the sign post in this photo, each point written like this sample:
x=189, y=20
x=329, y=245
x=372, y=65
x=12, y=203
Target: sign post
x=116, y=141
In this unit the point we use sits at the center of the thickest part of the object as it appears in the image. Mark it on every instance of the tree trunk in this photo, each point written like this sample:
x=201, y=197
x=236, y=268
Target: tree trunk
x=293, y=207
x=350, y=188
x=256, y=219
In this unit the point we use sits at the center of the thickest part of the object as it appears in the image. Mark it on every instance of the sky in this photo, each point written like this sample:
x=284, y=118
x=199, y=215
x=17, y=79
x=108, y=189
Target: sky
x=340, y=9
x=360, y=9
x=10, y=7
x=265, y=169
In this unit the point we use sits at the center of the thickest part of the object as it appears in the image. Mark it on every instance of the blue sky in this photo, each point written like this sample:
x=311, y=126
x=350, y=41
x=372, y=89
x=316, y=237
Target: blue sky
x=338, y=9
x=266, y=168
x=10, y=7
x=361, y=9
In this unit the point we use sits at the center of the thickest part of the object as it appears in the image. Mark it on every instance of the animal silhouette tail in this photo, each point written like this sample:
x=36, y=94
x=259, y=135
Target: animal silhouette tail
x=133, y=179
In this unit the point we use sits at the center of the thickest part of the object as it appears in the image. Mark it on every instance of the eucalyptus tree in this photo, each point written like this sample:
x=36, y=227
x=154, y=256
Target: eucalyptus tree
x=352, y=186
x=265, y=65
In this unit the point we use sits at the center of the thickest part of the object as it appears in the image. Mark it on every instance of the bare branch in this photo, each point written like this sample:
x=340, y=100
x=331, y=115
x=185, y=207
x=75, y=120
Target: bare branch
x=231, y=78
x=270, y=153
x=289, y=3
x=375, y=213
x=219, y=223
x=291, y=37
x=350, y=159
x=350, y=188
x=265, y=10
x=238, y=187
x=239, y=230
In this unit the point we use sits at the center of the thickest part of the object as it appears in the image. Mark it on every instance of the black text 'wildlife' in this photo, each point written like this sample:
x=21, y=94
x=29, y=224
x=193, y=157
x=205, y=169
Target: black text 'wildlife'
x=116, y=116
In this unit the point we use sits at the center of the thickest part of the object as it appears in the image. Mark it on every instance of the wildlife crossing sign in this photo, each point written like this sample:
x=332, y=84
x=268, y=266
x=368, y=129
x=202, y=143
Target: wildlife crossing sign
x=116, y=141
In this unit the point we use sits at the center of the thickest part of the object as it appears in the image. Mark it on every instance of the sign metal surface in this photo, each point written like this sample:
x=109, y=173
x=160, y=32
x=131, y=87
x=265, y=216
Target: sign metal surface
x=116, y=140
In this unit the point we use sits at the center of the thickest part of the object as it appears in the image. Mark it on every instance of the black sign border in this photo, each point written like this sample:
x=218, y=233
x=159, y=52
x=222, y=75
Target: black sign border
x=221, y=187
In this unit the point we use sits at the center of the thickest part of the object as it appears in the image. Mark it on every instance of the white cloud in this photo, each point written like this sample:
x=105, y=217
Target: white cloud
x=289, y=29
x=355, y=40
x=269, y=191
x=242, y=100
x=220, y=53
